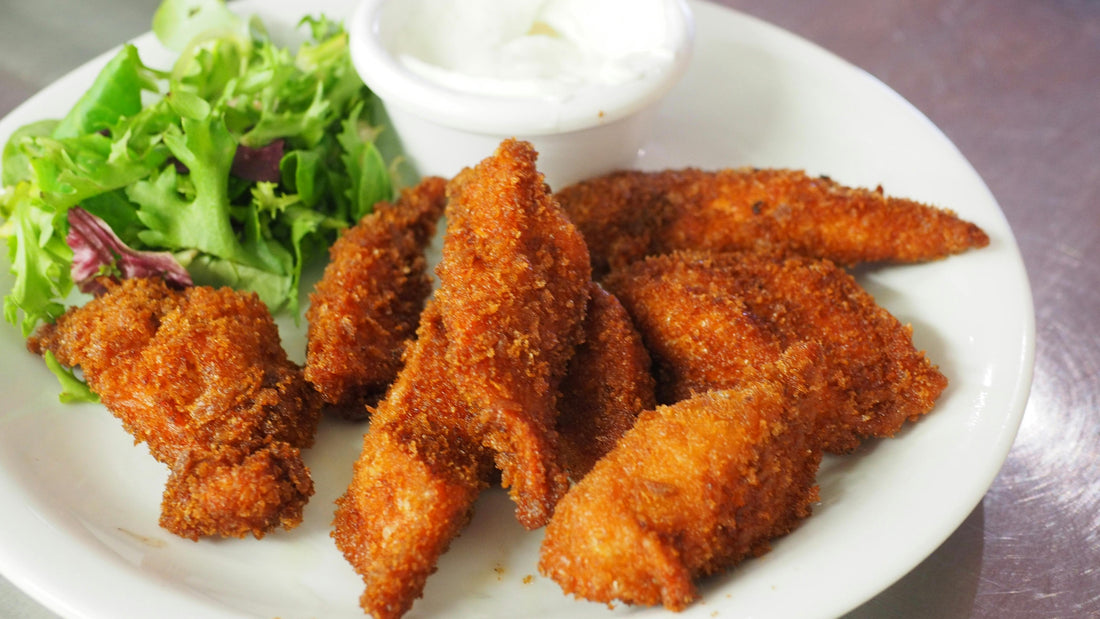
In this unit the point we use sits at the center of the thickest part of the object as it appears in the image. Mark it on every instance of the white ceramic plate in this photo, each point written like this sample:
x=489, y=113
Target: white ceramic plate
x=80, y=501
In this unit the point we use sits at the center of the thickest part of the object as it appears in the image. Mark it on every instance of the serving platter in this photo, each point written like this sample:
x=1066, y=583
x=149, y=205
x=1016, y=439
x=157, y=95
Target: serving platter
x=81, y=501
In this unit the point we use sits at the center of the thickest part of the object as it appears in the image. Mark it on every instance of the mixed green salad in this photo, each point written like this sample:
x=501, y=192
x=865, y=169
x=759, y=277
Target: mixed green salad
x=233, y=167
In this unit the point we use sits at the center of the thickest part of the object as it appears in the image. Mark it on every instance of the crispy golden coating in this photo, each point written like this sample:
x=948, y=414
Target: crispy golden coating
x=627, y=215
x=200, y=376
x=369, y=299
x=711, y=320
x=698, y=331
x=690, y=490
x=415, y=481
x=607, y=384
x=232, y=492
x=513, y=291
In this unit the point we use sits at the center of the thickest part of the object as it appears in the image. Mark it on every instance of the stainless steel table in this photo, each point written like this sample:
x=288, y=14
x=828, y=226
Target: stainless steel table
x=1016, y=85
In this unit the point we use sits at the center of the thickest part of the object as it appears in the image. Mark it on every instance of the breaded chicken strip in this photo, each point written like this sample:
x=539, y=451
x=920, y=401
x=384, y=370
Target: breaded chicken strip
x=698, y=331
x=690, y=490
x=369, y=299
x=415, y=481
x=711, y=320
x=199, y=375
x=628, y=215
x=607, y=384
x=513, y=291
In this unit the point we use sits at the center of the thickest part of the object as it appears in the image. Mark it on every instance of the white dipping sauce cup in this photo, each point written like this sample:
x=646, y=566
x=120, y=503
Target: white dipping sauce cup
x=588, y=131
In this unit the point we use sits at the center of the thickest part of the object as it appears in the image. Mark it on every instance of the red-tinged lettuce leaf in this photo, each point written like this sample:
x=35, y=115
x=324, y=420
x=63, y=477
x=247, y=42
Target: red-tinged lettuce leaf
x=119, y=213
x=258, y=164
x=98, y=251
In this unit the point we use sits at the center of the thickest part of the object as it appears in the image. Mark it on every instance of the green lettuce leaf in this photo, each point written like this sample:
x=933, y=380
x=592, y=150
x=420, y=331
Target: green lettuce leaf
x=115, y=94
x=16, y=165
x=202, y=221
x=73, y=389
x=365, y=173
x=39, y=258
x=177, y=23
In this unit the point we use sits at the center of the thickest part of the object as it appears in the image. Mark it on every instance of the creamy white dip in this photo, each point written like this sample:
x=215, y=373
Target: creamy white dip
x=550, y=49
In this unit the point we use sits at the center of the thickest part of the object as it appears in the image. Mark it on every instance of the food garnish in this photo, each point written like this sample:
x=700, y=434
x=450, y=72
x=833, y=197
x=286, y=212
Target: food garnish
x=237, y=164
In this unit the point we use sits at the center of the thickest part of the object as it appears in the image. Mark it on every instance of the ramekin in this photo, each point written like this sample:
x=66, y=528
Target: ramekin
x=443, y=130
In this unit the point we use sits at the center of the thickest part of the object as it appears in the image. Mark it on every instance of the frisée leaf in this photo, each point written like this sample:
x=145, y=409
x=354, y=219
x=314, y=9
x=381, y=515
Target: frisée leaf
x=39, y=258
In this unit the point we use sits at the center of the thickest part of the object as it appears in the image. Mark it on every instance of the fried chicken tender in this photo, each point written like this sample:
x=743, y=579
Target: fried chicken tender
x=367, y=303
x=513, y=291
x=690, y=490
x=199, y=375
x=713, y=320
x=628, y=215
x=607, y=385
x=415, y=481
x=697, y=329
